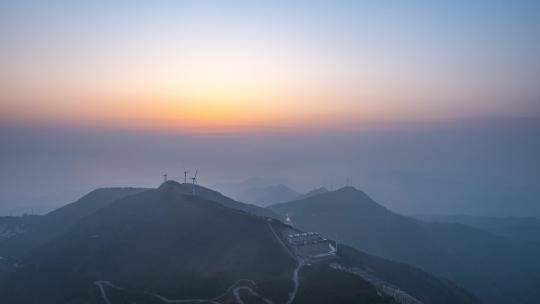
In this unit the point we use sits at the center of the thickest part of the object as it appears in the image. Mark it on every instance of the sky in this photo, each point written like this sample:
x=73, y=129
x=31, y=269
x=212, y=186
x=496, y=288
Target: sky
x=243, y=65
x=431, y=106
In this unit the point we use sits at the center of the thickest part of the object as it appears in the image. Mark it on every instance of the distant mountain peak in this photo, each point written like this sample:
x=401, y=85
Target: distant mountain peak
x=346, y=190
x=268, y=195
x=351, y=190
x=317, y=191
x=331, y=201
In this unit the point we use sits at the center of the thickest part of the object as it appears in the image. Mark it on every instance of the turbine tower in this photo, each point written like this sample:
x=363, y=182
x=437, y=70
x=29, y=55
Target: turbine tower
x=185, y=175
x=194, y=180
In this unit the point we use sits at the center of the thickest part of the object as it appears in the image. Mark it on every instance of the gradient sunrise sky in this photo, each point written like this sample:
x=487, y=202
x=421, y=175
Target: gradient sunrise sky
x=235, y=65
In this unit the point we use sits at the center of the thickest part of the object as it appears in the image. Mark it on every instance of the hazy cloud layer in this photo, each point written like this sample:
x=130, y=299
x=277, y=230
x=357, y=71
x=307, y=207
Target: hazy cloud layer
x=477, y=167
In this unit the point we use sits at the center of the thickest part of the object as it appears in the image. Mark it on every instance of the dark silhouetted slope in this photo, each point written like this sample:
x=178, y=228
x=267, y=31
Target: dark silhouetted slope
x=28, y=234
x=350, y=216
x=167, y=243
x=44, y=228
x=420, y=284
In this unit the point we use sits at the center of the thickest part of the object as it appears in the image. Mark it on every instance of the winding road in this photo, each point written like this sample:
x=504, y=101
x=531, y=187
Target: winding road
x=236, y=288
x=299, y=264
x=100, y=285
x=236, y=293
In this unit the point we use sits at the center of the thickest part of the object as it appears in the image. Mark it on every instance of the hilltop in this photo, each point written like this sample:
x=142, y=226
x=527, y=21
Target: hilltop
x=478, y=260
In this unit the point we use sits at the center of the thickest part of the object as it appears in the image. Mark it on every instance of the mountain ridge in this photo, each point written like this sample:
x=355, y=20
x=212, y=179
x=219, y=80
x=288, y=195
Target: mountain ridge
x=193, y=248
x=166, y=244
x=474, y=258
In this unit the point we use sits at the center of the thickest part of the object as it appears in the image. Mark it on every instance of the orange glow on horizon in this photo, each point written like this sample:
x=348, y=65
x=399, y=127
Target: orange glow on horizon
x=202, y=113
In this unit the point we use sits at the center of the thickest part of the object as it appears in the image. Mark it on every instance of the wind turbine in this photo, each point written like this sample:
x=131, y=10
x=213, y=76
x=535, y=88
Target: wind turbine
x=185, y=175
x=194, y=180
